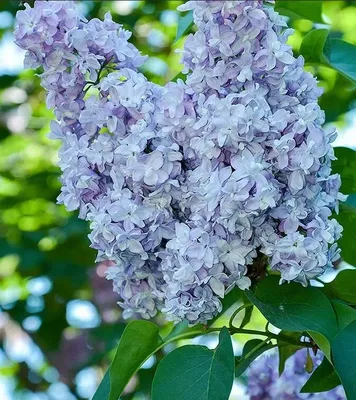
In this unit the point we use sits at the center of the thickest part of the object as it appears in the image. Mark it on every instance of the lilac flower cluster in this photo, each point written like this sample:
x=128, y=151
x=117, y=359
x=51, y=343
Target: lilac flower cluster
x=264, y=382
x=186, y=185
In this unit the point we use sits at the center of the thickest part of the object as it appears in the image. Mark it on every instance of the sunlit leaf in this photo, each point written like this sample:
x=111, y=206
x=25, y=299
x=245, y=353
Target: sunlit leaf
x=184, y=25
x=299, y=9
x=341, y=55
x=312, y=47
x=138, y=342
x=318, y=48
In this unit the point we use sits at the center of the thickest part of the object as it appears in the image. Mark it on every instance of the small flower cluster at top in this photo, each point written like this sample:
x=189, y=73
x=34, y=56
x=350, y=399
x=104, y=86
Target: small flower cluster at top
x=186, y=185
x=264, y=382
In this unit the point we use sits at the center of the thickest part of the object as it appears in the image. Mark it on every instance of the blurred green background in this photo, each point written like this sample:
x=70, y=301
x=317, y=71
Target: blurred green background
x=58, y=316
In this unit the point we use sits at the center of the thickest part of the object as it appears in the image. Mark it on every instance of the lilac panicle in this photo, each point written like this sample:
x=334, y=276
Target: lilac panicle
x=186, y=185
x=264, y=382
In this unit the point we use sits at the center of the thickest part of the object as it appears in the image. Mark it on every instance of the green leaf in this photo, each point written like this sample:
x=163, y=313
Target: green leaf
x=180, y=75
x=103, y=390
x=248, y=311
x=344, y=356
x=323, y=379
x=318, y=48
x=341, y=56
x=183, y=329
x=347, y=218
x=311, y=10
x=342, y=287
x=184, y=25
x=351, y=200
x=313, y=44
x=309, y=364
x=294, y=308
x=252, y=349
x=338, y=101
x=286, y=350
x=178, y=329
x=323, y=343
x=345, y=165
x=344, y=314
x=228, y=301
x=138, y=342
x=195, y=372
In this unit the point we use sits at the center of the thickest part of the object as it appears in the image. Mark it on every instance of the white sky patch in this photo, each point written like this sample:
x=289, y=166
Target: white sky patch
x=347, y=135
x=11, y=56
x=82, y=314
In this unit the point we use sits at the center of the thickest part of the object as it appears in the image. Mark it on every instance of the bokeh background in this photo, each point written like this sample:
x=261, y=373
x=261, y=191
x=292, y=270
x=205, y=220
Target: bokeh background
x=59, y=322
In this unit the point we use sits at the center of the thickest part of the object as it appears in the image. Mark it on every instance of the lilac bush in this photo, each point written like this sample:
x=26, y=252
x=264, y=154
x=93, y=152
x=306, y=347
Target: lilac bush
x=186, y=186
x=264, y=382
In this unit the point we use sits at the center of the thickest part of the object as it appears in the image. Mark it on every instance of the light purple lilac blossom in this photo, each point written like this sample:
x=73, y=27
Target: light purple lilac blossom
x=186, y=185
x=264, y=382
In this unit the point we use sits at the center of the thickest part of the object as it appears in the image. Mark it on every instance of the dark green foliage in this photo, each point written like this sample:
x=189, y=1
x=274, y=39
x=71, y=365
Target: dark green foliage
x=191, y=372
x=292, y=307
x=344, y=355
x=252, y=349
x=323, y=379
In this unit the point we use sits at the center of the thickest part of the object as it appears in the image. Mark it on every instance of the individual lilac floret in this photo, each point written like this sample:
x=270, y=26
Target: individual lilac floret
x=264, y=382
x=186, y=186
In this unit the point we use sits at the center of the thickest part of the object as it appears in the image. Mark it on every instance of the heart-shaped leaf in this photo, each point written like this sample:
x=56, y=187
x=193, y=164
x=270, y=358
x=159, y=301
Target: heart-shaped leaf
x=294, y=308
x=195, y=372
x=344, y=314
x=342, y=287
x=318, y=48
x=342, y=56
x=313, y=44
x=139, y=341
x=344, y=356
